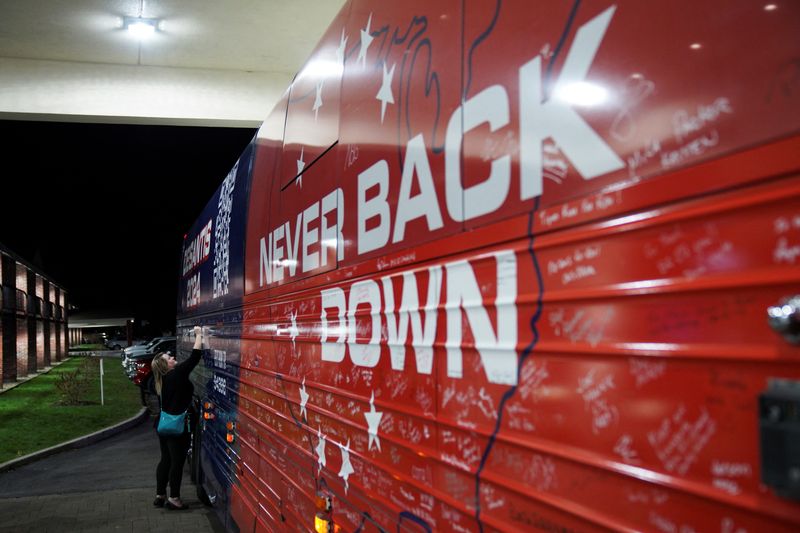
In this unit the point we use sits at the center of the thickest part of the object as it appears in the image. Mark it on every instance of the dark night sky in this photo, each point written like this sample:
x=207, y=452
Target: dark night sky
x=103, y=208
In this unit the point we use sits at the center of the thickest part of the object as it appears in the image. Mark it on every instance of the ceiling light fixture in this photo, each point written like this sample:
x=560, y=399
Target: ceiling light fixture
x=140, y=27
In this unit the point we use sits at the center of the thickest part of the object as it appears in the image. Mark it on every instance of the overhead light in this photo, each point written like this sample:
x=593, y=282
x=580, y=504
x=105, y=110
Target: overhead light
x=770, y=7
x=695, y=46
x=140, y=27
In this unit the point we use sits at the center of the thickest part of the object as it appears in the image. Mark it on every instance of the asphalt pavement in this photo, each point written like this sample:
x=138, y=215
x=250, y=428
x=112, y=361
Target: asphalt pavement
x=107, y=486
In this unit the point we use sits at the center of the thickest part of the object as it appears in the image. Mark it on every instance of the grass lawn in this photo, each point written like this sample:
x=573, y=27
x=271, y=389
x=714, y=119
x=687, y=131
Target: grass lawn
x=31, y=417
x=84, y=347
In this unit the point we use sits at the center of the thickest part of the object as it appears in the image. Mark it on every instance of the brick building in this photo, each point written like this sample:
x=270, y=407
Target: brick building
x=33, y=318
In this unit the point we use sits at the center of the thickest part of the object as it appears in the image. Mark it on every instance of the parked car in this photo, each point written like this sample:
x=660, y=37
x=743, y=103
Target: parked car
x=143, y=345
x=135, y=350
x=130, y=360
x=143, y=378
x=138, y=366
x=118, y=343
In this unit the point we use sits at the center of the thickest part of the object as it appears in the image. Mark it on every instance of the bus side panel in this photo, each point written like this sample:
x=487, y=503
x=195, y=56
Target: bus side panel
x=625, y=91
x=555, y=236
x=312, y=117
x=400, y=99
x=216, y=381
x=265, y=184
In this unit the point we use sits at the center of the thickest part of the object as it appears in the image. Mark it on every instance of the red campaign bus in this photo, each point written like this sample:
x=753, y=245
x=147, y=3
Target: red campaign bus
x=511, y=266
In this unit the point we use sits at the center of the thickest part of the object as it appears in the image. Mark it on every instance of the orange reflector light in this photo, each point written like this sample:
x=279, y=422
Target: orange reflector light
x=229, y=437
x=321, y=525
x=322, y=503
x=208, y=405
x=230, y=426
x=208, y=416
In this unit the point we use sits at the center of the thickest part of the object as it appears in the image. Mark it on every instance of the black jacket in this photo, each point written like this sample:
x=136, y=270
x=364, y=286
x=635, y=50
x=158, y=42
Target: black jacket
x=176, y=389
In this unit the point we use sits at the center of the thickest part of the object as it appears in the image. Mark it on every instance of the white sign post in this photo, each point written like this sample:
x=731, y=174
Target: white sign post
x=102, y=399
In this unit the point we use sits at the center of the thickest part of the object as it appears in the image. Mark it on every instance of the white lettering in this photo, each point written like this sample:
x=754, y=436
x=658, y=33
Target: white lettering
x=291, y=246
x=425, y=204
x=303, y=242
x=333, y=234
x=369, y=353
x=265, y=261
x=548, y=125
x=498, y=352
x=377, y=237
x=333, y=298
x=496, y=347
x=684, y=125
x=193, y=290
x=197, y=250
x=277, y=254
x=408, y=312
x=310, y=260
x=490, y=105
x=555, y=119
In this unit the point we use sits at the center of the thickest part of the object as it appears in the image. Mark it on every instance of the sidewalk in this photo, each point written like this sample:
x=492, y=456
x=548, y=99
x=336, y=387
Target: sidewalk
x=107, y=486
x=117, y=510
x=104, y=481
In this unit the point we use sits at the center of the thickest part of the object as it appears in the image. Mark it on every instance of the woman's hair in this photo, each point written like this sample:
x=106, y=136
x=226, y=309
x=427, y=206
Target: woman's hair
x=160, y=368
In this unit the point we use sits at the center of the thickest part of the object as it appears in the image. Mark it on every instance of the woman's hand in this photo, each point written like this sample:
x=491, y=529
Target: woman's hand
x=198, y=338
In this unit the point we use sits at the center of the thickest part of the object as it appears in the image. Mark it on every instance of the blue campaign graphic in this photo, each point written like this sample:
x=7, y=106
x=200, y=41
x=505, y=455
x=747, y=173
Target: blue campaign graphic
x=210, y=295
x=212, y=258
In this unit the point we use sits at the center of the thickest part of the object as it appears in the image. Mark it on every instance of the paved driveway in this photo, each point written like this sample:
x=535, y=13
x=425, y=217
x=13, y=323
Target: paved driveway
x=108, y=486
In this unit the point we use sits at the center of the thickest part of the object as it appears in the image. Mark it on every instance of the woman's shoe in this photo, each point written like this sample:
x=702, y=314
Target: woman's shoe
x=159, y=501
x=172, y=507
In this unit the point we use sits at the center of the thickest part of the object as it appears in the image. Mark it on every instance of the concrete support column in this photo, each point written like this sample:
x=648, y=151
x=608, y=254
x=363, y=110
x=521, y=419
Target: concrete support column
x=47, y=311
x=9, y=325
x=57, y=325
x=7, y=319
x=64, y=307
x=56, y=331
x=33, y=349
x=32, y=353
x=48, y=327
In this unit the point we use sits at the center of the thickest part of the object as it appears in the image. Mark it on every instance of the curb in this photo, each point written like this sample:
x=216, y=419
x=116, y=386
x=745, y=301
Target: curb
x=79, y=442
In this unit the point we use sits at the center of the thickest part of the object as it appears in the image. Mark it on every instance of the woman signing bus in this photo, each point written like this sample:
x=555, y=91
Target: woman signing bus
x=175, y=394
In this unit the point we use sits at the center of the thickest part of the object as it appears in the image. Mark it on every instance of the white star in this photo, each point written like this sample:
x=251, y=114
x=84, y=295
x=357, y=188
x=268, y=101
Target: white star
x=293, y=329
x=320, y=449
x=318, y=99
x=347, y=468
x=385, y=93
x=366, y=40
x=373, y=421
x=300, y=166
x=303, y=400
x=342, y=49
